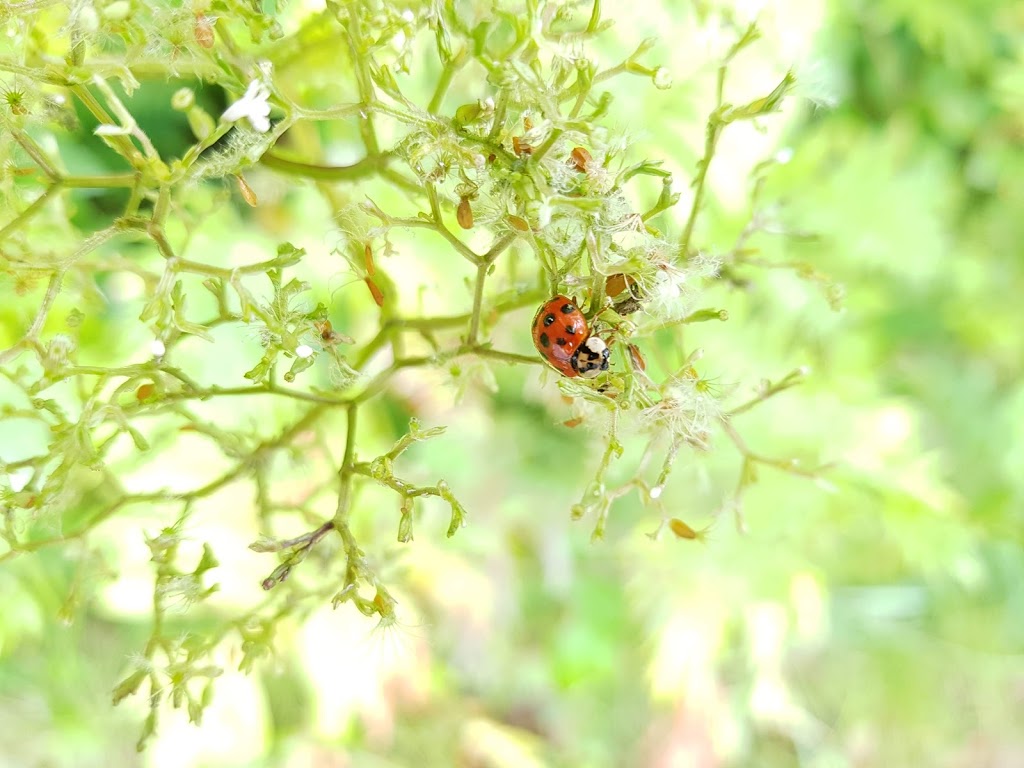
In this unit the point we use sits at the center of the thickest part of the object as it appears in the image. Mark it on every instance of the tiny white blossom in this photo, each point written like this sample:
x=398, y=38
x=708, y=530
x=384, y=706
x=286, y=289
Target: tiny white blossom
x=253, y=106
x=303, y=350
x=157, y=348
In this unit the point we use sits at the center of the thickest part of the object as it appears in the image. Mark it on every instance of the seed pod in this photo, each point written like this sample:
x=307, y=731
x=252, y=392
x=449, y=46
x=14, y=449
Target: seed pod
x=371, y=269
x=325, y=330
x=375, y=291
x=520, y=147
x=617, y=283
x=681, y=529
x=581, y=159
x=464, y=214
x=519, y=224
x=204, y=31
x=246, y=191
x=636, y=357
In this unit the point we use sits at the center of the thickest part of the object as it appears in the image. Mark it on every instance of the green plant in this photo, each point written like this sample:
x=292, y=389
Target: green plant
x=529, y=165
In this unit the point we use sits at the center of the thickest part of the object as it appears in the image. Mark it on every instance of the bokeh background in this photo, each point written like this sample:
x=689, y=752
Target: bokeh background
x=874, y=617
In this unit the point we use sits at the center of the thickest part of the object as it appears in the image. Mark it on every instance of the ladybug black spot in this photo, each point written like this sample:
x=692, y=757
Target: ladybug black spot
x=568, y=309
x=548, y=320
x=544, y=340
x=561, y=342
x=571, y=330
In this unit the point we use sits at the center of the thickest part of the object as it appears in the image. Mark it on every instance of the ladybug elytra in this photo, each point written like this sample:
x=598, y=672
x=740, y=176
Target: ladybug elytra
x=561, y=335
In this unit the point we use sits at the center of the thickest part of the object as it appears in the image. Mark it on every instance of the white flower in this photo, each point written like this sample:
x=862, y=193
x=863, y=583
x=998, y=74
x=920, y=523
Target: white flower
x=253, y=105
x=304, y=351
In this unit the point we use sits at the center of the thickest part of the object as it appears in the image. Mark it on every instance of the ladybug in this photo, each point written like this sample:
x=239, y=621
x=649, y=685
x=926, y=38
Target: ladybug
x=561, y=335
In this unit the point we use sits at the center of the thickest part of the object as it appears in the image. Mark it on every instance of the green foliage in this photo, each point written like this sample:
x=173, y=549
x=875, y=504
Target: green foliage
x=248, y=250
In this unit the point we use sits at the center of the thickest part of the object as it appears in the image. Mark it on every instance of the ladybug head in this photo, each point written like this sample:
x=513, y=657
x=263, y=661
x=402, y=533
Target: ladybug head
x=591, y=357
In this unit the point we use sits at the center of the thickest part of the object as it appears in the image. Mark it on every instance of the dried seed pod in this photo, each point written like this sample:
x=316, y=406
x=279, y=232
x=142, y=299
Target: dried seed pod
x=325, y=330
x=581, y=159
x=204, y=30
x=520, y=147
x=519, y=224
x=464, y=213
x=617, y=283
x=371, y=269
x=628, y=292
x=247, y=192
x=375, y=291
x=684, y=531
x=636, y=357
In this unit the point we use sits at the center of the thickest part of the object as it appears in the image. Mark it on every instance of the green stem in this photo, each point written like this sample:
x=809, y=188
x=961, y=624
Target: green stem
x=347, y=468
x=114, y=180
x=36, y=205
x=478, y=298
x=445, y=81
x=34, y=151
x=359, y=170
x=363, y=79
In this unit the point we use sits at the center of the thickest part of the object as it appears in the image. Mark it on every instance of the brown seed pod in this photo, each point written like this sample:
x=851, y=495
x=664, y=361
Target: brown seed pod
x=617, y=283
x=464, y=213
x=684, y=531
x=628, y=292
x=371, y=269
x=246, y=191
x=636, y=357
x=204, y=31
x=325, y=330
x=375, y=291
x=519, y=224
x=581, y=159
x=520, y=147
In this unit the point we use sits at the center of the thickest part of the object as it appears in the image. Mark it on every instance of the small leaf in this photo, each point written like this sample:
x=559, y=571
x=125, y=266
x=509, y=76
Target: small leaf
x=207, y=561
x=128, y=686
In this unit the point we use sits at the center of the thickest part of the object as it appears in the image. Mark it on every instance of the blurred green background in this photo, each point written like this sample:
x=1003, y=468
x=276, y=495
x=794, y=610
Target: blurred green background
x=875, y=618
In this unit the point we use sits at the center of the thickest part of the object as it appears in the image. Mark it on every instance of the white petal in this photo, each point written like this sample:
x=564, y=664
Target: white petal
x=236, y=111
x=252, y=92
x=242, y=107
x=260, y=123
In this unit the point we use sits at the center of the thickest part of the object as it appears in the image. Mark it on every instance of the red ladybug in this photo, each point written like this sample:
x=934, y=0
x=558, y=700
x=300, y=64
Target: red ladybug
x=561, y=335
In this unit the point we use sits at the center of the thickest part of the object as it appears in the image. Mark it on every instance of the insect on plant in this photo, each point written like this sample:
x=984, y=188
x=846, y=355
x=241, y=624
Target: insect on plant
x=443, y=122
